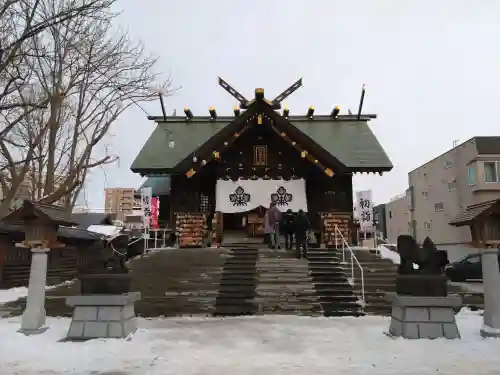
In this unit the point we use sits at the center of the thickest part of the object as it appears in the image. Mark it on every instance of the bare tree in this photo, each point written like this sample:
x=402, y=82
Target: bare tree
x=88, y=76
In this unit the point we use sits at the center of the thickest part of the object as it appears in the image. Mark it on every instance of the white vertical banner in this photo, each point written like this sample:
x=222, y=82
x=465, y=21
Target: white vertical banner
x=146, y=197
x=364, y=209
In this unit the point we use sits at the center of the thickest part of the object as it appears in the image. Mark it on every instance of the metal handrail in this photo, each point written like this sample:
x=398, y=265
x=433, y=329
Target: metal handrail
x=345, y=245
x=147, y=236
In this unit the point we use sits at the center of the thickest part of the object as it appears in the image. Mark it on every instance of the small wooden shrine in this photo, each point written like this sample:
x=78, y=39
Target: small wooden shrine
x=261, y=142
x=35, y=225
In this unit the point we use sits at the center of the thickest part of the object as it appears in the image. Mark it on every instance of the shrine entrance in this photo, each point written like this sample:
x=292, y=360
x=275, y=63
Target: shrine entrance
x=244, y=226
x=243, y=203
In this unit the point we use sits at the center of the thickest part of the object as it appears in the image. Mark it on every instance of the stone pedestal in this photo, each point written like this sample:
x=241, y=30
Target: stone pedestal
x=102, y=316
x=422, y=285
x=423, y=317
x=491, y=281
x=33, y=319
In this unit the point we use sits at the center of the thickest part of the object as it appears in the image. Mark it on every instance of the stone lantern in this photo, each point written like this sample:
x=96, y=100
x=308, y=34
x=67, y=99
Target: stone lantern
x=41, y=223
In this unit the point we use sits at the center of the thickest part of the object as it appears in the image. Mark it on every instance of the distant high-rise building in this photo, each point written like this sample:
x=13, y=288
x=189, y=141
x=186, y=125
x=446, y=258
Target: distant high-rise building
x=119, y=201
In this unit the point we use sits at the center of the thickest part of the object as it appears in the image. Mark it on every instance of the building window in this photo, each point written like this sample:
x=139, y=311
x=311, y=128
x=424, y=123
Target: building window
x=491, y=171
x=427, y=225
x=438, y=206
x=425, y=175
x=425, y=194
x=471, y=172
x=448, y=164
x=377, y=217
x=390, y=214
x=451, y=186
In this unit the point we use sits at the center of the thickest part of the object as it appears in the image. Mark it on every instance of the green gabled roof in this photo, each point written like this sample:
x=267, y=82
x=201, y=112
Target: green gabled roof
x=187, y=135
x=347, y=139
x=351, y=142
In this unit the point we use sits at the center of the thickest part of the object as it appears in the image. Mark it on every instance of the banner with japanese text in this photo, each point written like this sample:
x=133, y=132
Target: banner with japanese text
x=364, y=209
x=155, y=209
x=146, y=197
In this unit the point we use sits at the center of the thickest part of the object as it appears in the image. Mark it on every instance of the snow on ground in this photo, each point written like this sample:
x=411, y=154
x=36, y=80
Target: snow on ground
x=238, y=346
x=13, y=294
x=387, y=253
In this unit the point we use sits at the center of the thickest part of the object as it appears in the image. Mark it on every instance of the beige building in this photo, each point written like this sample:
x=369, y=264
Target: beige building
x=397, y=218
x=445, y=189
x=120, y=201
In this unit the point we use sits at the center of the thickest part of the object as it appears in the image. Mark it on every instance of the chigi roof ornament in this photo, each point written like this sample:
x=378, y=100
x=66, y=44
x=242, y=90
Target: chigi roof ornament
x=259, y=94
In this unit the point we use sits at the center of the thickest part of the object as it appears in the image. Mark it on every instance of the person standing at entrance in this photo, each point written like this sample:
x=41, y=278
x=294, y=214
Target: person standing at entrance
x=302, y=226
x=274, y=218
x=267, y=230
x=287, y=227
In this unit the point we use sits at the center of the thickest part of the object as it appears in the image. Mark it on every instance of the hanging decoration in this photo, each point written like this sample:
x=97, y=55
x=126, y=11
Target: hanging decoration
x=304, y=154
x=246, y=195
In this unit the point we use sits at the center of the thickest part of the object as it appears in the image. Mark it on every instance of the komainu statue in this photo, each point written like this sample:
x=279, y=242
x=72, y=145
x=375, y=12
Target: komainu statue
x=108, y=274
x=416, y=260
x=421, y=271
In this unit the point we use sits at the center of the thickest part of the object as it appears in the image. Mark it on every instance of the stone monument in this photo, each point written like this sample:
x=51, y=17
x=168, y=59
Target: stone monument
x=41, y=223
x=491, y=282
x=105, y=308
x=421, y=306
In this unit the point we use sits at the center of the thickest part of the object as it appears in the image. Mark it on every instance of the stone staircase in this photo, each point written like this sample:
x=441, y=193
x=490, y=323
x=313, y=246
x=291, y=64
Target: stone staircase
x=172, y=283
x=237, y=283
x=285, y=285
x=333, y=290
x=245, y=280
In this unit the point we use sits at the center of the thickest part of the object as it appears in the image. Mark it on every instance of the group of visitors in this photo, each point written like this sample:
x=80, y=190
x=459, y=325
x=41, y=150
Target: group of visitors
x=291, y=225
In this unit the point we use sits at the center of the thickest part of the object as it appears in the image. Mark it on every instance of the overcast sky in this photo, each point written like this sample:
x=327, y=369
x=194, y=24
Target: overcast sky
x=432, y=70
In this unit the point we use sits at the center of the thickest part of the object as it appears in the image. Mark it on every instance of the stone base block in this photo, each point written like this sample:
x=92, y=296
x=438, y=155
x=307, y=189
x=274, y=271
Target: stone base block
x=422, y=285
x=423, y=317
x=102, y=316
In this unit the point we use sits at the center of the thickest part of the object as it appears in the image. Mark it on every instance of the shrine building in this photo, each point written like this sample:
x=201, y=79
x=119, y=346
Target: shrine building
x=230, y=168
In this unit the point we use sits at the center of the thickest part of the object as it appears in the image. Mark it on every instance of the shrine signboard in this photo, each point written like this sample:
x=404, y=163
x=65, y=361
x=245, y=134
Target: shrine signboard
x=260, y=155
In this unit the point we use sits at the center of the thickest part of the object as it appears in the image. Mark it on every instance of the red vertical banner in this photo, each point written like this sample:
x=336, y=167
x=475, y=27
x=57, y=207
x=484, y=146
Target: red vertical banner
x=155, y=202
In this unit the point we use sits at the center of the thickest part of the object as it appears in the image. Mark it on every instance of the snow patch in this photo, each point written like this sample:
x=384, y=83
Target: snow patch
x=386, y=253
x=107, y=230
x=272, y=344
x=486, y=328
x=13, y=294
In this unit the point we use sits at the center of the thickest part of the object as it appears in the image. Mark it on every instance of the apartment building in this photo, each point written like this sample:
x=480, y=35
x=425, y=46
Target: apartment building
x=397, y=218
x=445, y=188
x=120, y=201
x=379, y=214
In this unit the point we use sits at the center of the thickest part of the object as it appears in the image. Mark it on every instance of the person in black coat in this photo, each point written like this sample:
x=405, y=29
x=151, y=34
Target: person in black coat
x=287, y=228
x=301, y=226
